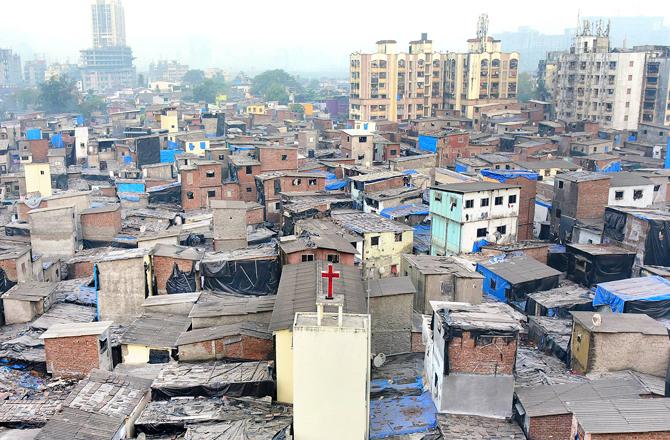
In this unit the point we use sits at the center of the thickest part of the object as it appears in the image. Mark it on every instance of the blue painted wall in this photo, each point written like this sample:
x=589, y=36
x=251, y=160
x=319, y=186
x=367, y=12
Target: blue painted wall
x=428, y=143
x=33, y=134
x=130, y=187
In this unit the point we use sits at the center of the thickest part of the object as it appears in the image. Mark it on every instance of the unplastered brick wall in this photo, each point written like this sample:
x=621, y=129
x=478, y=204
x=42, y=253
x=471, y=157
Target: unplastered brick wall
x=488, y=355
x=73, y=356
x=555, y=427
x=163, y=269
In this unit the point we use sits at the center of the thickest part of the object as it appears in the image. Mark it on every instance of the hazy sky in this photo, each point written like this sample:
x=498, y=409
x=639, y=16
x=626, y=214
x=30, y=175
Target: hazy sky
x=307, y=36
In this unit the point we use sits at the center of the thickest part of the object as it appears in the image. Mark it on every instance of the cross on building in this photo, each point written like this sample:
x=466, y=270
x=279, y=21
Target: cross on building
x=330, y=274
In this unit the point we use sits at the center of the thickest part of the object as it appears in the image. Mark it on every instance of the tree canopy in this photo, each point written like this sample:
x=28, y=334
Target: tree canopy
x=272, y=85
x=58, y=94
x=193, y=77
x=209, y=89
x=527, y=87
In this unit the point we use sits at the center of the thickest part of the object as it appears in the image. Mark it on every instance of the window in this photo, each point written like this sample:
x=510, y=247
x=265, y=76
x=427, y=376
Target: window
x=394, y=152
x=498, y=200
x=284, y=157
x=558, y=213
x=502, y=229
x=103, y=345
x=481, y=232
x=333, y=258
x=437, y=196
x=277, y=206
x=511, y=199
x=249, y=189
x=469, y=204
x=657, y=188
x=398, y=236
x=637, y=194
x=618, y=195
x=560, y=184
x=374, y=241
x=312, y=182
x=362, y=139
x=189, y=195
x=484, y=202
x=42, y=172
x=248, y=169
x=297, y=182
x=222, y=156
x=307, y=257
x=210, y=173
x=211, y=193
x=492, y=284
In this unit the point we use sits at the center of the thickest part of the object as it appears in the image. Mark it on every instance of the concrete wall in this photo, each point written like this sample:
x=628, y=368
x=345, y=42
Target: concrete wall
x=17, y=311
x=53, y=232
x=625, y=196
x=391, y=323
x=387, y=253
x=284, y=365
x=331, y=377
x=474, y=394
x=122, y=289
x=230, y=223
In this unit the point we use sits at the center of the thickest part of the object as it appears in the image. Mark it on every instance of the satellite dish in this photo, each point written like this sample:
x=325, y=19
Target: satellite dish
x=381, y=270
x=379, y=360
x=597, y=319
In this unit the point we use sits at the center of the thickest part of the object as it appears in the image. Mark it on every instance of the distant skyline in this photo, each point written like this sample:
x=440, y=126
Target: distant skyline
x=299, y=36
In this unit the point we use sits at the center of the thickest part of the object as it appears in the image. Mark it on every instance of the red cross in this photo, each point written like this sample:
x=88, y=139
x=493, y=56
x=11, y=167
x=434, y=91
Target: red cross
x=330, y=275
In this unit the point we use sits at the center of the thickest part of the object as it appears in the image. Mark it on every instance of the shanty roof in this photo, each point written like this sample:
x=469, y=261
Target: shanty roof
x=209, y=375
x=123, y=254
x=547, y=164
x=519, y=269
x=468, y=187
x=221, y=304
x=176, y=298
x=64, y=313
x=301, y=283
x=488, y=316
x=253, y=329
x=624, y=179
x=323, y=226
x=372, y=177
x=261, y=252
x=101, y=209
x=432, y=265
x=75, y=424
x=582, y=176
x=176, y=251
x=620, y=323
x=599, y=249
x=362, y=223
x=567, y=295
x=314, y=241
x=622, y=415
x=76, y=329
x=30, y=291
x=391, y=286
x=546, y=400
x=156, y=330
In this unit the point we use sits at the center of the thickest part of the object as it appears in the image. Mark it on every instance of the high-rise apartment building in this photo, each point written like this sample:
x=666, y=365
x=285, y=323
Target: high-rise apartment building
x=396, y=85
x=108, y=23
x=10, y=69
x=482, y=75
x=34, y=72
x=164, y=70
x=596, y=83
x=656, y=86
x=109, y=64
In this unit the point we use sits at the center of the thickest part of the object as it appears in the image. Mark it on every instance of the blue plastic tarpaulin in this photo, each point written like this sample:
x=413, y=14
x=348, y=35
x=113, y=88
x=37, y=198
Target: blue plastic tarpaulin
x=409, y=172
x=503, y=175
x=612, y=167
x=478, y=245
x=334, y=185
x=460, y=168
x=615, y=294
x=168, y=156
x=427, y=143
x=33, y=134
x=57, y=140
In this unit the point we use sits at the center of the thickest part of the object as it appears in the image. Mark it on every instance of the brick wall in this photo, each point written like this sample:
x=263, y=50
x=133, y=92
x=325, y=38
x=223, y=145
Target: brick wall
x=22, y=209
x=394, y=182
x=299, y=184
x=556, y=427
x=72, y=357
x=163, y=269
x=593, y=197
x=526, y=206
x=271, y=159
x=9, y=266
x=101, y=226
x=496, y=356
x=319, y=255
x=247, y=181
x=255, y=216
x=660, y=435
x=232, y=191
x=417, y=343
x=39, y=149
x=243, y=348
x=81, y=269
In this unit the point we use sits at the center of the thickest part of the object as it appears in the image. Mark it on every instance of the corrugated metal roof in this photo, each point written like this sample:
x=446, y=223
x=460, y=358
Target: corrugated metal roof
x=520, y=269
x=391, y=286
x=622, y=415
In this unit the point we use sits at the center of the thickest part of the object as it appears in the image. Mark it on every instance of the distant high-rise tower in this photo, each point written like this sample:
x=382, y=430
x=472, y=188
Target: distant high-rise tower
x=109, y=26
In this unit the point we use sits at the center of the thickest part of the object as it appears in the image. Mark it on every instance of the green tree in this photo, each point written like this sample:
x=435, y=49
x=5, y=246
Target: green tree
x=193, y=77
x=272, y=85
x=26, y=98
x=90, y=104
x=209, y=89
x=527, y=87
x=58, y=94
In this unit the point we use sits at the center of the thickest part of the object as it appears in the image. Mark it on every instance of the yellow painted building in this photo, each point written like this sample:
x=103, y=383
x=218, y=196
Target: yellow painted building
x=170, y=121
x=38, y=178
x=256, y=109
x=284, y=360
x=382, y=252
x=198, y=148
x=309, y=110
